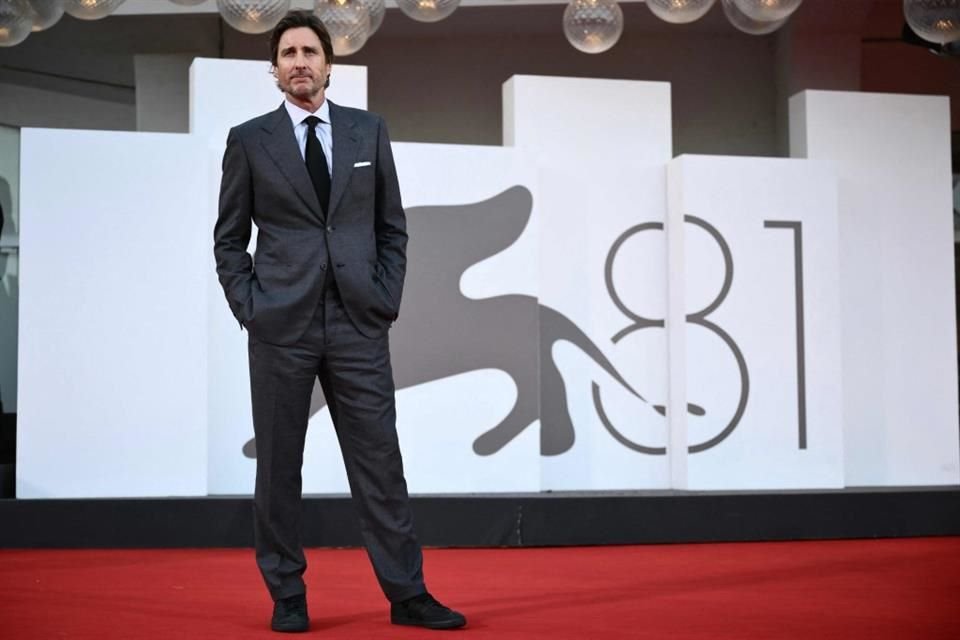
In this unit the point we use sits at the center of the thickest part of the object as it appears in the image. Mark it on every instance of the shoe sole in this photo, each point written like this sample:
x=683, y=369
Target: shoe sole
x=299, y=628
x=451, y=624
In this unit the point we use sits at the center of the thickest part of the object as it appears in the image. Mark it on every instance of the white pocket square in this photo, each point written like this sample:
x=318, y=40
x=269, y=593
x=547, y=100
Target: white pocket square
x=365, y=163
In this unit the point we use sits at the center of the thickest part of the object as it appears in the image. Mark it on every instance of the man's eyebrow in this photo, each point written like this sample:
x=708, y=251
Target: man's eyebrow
x=308, y=48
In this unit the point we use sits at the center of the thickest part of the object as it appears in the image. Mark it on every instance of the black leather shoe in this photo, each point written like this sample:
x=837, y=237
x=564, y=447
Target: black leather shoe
x=425, y=611
x=290, y=614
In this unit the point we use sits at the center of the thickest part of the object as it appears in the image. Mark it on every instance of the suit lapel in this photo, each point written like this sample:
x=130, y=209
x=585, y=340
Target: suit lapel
x=281, y=146
x=346, y=145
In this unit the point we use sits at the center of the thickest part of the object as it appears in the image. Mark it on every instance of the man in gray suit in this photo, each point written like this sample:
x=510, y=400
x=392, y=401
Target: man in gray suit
x=317, y=301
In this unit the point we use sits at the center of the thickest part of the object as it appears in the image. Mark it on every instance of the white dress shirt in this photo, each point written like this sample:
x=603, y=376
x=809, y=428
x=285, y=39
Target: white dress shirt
x=324, y=130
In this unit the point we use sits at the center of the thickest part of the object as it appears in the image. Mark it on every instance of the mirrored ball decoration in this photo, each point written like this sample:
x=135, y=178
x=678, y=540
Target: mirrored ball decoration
x=747, y=24
x=593, y=26
x=680, y=11
x=377, y=9
x=91, y=9
x=347, y=21
x=934, y=20
x=428, y=10
x=16, y=22
x=767, y=10
x=253, y=16
x=46, y=13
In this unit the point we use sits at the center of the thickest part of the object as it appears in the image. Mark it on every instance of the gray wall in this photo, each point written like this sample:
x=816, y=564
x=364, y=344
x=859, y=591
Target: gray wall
x=431, y=88
x=441, y=82
x=9, y=265
x=163, y=92
x=450, y=90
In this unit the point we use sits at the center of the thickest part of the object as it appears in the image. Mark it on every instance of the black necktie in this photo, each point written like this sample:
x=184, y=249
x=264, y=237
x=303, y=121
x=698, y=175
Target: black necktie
x=317, y=164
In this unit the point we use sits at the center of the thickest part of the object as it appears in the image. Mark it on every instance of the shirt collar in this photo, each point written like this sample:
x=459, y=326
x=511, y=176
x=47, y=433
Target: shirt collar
x=298, y=114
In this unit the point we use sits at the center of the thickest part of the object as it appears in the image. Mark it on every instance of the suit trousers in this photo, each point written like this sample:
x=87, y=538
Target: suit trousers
x=357, y=381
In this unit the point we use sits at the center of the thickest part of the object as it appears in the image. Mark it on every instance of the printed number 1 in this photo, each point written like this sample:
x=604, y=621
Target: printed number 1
x=796, y=226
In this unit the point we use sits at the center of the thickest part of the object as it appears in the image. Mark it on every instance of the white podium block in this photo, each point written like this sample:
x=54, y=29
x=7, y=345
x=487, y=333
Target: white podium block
x=892, y=154
x=601, y=147
x=755, y=323
x=113, y=397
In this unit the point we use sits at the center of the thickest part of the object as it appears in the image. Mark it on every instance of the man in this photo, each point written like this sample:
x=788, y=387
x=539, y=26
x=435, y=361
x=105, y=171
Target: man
x=317, y=301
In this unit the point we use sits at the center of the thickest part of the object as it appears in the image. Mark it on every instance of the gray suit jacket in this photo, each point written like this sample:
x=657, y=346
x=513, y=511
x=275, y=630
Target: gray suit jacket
x=362, y=239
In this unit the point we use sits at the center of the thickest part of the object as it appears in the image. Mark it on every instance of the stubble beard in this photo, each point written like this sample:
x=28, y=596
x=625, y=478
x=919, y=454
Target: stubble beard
x=302, y=92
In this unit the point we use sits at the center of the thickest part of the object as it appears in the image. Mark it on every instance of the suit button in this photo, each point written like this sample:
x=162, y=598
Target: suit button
x=329, y=229
x=323, y=266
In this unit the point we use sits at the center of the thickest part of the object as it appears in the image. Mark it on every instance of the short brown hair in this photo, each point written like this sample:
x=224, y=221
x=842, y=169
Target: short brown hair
x=296, y=19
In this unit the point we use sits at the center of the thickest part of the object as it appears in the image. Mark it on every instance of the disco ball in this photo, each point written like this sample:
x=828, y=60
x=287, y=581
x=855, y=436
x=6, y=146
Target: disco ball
x=91, y=9
x=680, y=11
x=46, y=13
x=253, y=16
x=747, y=24
x=377, y=9
x=16, y=21
x=593, y=26
x=934, y=20
x=767, y=10
x=428, y=10
x=347, y=21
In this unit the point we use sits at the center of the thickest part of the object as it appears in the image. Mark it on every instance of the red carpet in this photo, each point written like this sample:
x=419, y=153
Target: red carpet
x=882, y=589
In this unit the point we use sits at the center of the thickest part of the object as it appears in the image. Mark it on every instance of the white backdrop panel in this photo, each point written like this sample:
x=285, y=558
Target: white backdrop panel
x=762, y=414
x=892, y=154
x=439, y=418
x=112, y=359
x=134, y=374
x=602, y=171
x=439, y=415
x=225, y=93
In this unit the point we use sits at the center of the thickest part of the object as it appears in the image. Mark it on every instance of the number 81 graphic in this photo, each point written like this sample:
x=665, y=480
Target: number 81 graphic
x=701, y=319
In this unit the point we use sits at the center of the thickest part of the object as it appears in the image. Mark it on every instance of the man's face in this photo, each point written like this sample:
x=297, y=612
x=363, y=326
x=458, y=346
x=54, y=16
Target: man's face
x=302, y=68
